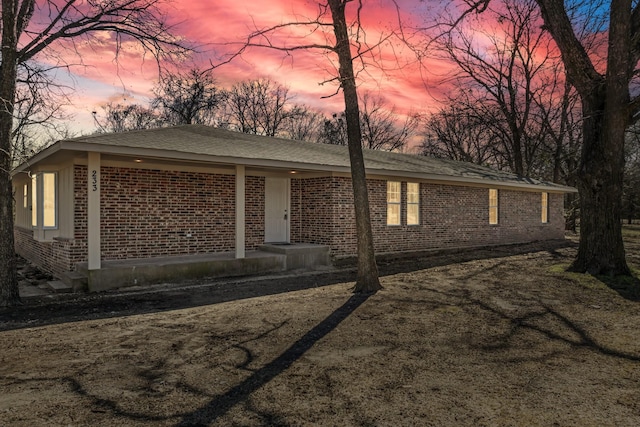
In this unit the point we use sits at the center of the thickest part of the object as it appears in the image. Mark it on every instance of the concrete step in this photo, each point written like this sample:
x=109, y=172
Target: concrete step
x=59, y=287
x=76, y=279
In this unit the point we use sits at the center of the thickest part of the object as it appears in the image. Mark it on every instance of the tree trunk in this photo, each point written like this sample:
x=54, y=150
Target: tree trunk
x=601, y=249
x=9, y=294
x=606, y=115
x=571, y=220
x=367, y=279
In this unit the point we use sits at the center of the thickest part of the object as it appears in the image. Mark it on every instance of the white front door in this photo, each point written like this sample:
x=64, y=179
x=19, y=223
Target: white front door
x=276, y=215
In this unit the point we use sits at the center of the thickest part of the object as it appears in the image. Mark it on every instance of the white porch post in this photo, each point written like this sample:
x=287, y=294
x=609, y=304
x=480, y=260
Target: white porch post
x=93, y=210
x=240, y=210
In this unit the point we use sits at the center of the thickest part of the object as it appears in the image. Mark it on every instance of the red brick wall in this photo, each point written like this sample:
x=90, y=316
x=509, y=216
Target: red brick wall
x=313, y=208
x=147, y=213
x=61, y=254
x=254, y=212
x=450, y=216
x=150, y=212
x=55, y=257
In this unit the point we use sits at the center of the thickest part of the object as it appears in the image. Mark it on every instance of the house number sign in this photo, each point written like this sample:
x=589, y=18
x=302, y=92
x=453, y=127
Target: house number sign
x=94, y=180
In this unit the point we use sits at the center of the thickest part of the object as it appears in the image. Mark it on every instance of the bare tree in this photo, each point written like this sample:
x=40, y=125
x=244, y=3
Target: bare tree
x=59, y=25
x=603, y=76
x=38, y=111
x=302, y=124
x=381, y=129
x=559, y=114
x=188, y=98
x=334, y=130
x=259, y=107
x=332, y=15
x=367, y=278
x=607, y=110
x=121, y=118
x=458, y=132
x=512, y=83
x=379, y=124
x=501, y=65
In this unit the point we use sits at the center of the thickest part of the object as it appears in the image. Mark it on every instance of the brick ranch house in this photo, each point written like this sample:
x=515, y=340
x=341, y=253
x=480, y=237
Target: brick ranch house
x=193, y=190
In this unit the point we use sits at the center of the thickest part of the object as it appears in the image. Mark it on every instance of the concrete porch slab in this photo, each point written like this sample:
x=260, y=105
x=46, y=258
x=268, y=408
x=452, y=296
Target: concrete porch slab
x=135, y=272
x=300, y=255
x=269, y=258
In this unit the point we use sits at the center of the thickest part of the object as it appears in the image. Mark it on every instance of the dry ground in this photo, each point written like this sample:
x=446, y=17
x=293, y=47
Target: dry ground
x=509, y=340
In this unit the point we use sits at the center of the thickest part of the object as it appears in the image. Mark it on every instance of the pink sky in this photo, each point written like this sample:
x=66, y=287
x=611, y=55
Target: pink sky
x=212, y=23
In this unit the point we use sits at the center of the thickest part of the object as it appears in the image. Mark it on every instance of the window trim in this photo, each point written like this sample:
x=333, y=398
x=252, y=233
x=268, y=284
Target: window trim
x=494, y=211
x=544, y=207
x=415, y=204
x=38, y=201
x=34, y=201
x=393, y=203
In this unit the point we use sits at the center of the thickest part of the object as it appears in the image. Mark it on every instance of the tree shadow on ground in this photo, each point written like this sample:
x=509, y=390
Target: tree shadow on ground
x=218, y=405
x=221, y=404
x=628, y=287
x=66, y=308
x=543, y=319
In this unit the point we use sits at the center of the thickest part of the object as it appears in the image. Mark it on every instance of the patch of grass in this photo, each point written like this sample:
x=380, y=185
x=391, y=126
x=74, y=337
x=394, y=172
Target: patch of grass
x=582, y=279
x=627, y=286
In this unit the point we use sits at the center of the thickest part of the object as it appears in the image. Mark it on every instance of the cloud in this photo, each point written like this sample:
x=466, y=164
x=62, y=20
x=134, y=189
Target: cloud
x=218, y=26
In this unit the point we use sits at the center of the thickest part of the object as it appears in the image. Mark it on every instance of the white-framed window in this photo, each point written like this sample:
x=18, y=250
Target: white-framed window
x=393, y=202
x=34, y=200
x=544, y=205
x=413, y=203
x=25, y=196
x=44, y=200
x=493, y=206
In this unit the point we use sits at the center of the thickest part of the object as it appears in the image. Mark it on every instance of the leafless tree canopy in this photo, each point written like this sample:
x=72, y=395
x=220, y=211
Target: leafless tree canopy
x=121, y=118
x=192, y=97
x=381, y=127
x=508, y=74
x=259, y=107
x=50, y=31
x=458, y=131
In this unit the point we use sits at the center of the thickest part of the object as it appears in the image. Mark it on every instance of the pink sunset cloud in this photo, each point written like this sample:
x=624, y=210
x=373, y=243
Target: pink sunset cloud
x=218, y=26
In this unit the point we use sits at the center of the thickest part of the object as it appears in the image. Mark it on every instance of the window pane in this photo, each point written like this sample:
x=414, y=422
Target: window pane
x=34, y=201
x=493, y=215
x=393, y=214
x=413, y=203
x=393, y=192
x=545, y=207
x=413, y=214
x=493, y=206
x=49, y=199
x=413, y=192
x=25, y=196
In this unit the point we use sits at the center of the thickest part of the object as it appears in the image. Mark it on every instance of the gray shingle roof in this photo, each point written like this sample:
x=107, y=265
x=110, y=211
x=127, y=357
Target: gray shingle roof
x=210, y=143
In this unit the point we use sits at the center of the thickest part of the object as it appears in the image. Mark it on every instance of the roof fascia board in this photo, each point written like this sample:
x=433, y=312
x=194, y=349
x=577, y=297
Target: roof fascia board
x=50, y=150
x=435, y=178
x=203, y=158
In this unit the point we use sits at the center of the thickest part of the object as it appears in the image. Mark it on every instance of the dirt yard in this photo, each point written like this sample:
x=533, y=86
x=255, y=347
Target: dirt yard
x=505, y=339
